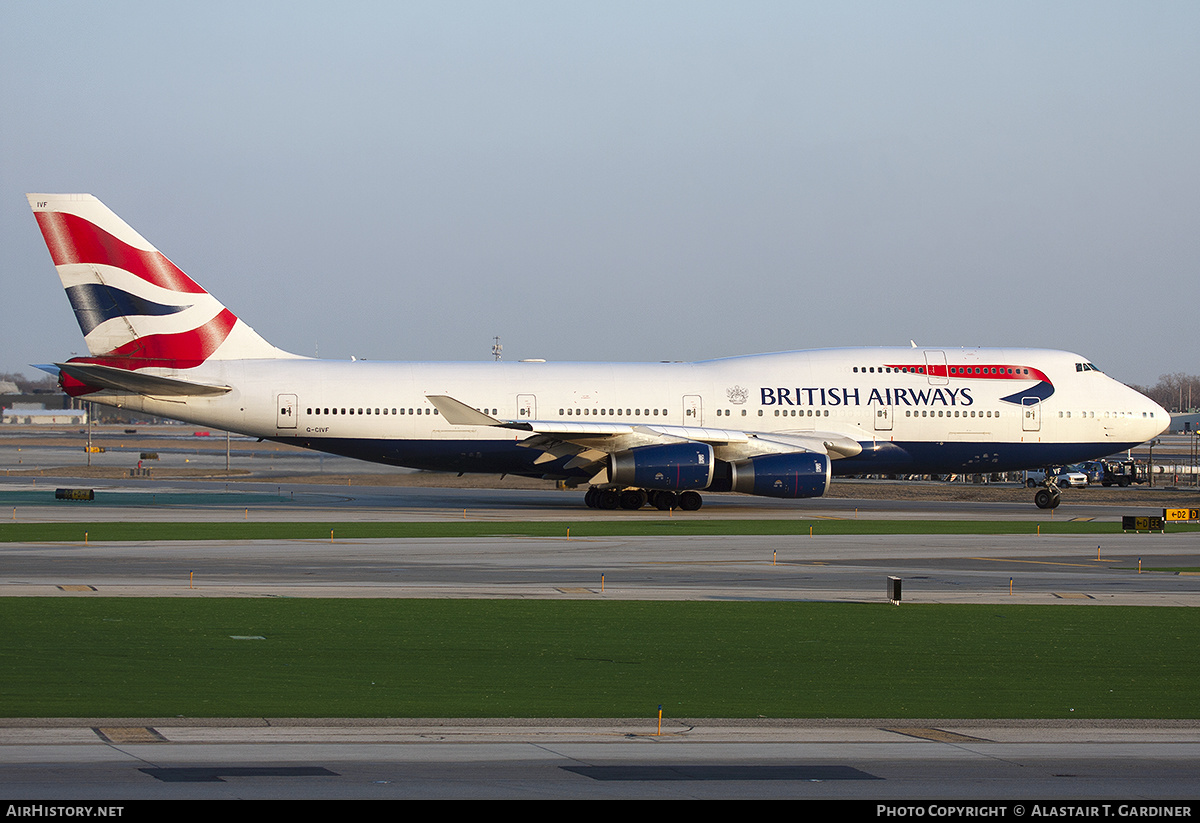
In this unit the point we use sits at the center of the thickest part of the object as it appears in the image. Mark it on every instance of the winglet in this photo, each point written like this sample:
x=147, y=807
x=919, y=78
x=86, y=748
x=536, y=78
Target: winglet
x=460, y=414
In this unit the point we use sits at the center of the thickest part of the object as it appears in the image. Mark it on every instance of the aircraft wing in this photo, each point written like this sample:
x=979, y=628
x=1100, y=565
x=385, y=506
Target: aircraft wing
x=589, y=445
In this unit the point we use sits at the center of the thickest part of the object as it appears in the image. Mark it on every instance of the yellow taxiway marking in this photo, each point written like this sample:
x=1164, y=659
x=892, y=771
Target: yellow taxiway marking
x=77, y=588
x=1038, y=562
x=1072, y=596
x=938, y=735
x=129, y=734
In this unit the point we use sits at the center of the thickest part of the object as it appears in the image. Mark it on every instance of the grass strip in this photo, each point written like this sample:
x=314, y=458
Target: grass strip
x=249, y=530
x=133, y=657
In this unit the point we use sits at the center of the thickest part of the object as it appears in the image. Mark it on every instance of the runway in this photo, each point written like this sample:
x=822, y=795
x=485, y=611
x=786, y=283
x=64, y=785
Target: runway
x=1029, y=568
x=903, y=760
x=102, y=759
x=934, y=569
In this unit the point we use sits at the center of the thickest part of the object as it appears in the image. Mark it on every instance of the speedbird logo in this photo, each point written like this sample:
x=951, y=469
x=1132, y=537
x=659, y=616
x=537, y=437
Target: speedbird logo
x=135, y=307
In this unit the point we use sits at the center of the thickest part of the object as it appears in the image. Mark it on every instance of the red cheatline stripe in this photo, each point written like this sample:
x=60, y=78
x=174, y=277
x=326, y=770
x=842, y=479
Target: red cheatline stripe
x=988, y=372
x=71, y=239
x=184, y=350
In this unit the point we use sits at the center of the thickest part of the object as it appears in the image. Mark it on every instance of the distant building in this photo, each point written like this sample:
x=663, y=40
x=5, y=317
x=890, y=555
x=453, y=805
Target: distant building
x=42, y=417
x=1186, y=423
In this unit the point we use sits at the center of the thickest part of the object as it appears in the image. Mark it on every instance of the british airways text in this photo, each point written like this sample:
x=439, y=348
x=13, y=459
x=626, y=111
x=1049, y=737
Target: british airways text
x=853, y=397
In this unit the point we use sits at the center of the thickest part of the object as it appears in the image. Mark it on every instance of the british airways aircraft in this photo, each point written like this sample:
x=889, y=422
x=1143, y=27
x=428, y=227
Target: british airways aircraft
x=778, y=425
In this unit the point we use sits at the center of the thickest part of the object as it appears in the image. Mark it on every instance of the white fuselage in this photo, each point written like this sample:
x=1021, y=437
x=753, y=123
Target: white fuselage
x=911, y=409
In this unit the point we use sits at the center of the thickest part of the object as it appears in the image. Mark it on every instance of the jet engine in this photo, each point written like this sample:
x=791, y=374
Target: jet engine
x=796, y=474
x=673, y=467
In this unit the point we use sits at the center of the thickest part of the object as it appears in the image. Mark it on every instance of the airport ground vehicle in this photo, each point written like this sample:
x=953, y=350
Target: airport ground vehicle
x=1063, y=476
x=1116, y=472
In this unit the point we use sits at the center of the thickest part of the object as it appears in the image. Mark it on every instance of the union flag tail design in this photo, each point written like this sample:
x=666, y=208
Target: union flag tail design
x=135, y=307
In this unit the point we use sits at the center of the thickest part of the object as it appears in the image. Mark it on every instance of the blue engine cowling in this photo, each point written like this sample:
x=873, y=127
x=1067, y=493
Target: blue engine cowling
x=673, y=467
x=798, y=474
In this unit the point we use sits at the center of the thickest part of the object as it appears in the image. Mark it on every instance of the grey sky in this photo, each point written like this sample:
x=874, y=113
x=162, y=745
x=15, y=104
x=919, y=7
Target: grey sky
x=625, y=181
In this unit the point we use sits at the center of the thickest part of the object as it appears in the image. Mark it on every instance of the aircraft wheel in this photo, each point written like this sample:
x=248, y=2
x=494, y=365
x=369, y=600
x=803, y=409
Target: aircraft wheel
x=633, y=499
x=665, y=501
x=1055, y=499
x=608, y=499
x=1044, y=499
x=690, y=501
x=589, y=499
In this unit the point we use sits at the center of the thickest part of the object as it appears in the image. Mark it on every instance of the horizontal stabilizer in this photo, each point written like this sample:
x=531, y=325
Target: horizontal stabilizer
x=106, y=377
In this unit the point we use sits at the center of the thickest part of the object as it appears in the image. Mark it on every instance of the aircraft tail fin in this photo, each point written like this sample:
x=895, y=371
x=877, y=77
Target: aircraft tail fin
x=135, y=307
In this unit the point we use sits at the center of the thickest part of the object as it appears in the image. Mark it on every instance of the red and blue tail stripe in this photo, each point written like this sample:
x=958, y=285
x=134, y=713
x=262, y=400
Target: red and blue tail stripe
x=136, y=309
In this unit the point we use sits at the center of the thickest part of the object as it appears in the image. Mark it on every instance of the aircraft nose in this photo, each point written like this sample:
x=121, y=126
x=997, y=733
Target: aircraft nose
x=1160, y=419
x=1154, y=418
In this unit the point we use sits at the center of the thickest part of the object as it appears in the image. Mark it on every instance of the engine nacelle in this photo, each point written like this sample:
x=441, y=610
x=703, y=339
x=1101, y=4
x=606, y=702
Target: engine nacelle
x=797, y=474
x=672, y=467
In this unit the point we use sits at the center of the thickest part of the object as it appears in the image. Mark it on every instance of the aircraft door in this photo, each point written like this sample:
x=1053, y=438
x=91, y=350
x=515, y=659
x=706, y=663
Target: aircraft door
x=935, y=368
x=693, y=410
x=526, y=407
x=883, y=416
x=1031, y=414
x=286, y=419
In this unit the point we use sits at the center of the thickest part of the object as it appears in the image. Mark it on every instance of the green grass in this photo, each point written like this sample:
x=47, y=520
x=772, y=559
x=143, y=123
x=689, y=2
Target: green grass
x=249, y=530
x=126, y=657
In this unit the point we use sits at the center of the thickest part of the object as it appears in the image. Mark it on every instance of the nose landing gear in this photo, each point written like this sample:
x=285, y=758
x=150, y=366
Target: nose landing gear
x=1048, y=497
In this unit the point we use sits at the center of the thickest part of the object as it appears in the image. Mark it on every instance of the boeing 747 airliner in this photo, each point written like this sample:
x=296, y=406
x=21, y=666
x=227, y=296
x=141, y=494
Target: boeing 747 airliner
x=778, y=425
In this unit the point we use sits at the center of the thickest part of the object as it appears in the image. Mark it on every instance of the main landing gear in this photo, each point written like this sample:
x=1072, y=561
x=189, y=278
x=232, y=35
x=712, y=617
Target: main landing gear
x=634, y=499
